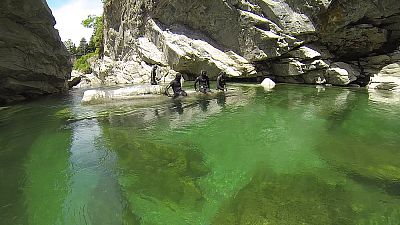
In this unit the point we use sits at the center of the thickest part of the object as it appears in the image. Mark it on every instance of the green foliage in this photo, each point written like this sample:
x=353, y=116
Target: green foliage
x=82, y=48
x=86, y=50
x=70, y=46
x=96, y=41
x=82, y=63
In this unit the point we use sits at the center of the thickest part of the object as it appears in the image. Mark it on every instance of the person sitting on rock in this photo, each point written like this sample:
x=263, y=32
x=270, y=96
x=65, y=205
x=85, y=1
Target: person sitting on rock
x=221, y=83
x=204, y=82
x=176, y=87
x=153, y=76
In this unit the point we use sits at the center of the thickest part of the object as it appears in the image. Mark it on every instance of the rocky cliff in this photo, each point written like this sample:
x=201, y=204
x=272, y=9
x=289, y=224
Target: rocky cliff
x=341, y=42
x=33, y=60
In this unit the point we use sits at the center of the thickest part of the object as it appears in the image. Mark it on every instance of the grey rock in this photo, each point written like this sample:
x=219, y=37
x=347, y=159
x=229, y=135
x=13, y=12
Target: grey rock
x=341, y=74
x=305, y=53
x=33, y=60
x=292, y=67
x=134, y=92
x=388, y=78
x=292, y=40
x=314, y=77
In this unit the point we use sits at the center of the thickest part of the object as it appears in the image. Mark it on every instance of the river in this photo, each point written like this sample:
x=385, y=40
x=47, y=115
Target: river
x=293, y=155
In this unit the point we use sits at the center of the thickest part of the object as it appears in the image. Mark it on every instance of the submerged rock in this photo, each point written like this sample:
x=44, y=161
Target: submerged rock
x=287, y=199
x=33, y=60
x=157, y=175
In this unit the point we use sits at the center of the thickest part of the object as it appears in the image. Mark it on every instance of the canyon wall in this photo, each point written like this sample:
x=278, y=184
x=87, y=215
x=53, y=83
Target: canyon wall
x=33, y=60
x=338, y=42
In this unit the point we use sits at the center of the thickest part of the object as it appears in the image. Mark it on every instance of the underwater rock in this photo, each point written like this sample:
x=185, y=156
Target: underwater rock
x=153, y=172
x=287, y=199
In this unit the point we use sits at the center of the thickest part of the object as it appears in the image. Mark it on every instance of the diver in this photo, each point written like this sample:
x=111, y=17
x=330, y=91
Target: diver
x=176, y=87
x=221, y=83
x=153, y=76
x=204, y=82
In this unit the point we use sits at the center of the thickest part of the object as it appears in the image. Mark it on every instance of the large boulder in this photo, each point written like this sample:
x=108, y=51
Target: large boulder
x=341, y=74
x=33, y=60
x=388, y=78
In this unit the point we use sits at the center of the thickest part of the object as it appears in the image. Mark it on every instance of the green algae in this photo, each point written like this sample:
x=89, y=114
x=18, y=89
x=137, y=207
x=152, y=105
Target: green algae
x=47, y=183
x=64, y=114
x=152, y=172
x=287, y=199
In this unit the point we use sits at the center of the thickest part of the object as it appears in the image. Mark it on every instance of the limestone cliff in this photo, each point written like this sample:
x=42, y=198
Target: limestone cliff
x=33, y=60
x=296, y=41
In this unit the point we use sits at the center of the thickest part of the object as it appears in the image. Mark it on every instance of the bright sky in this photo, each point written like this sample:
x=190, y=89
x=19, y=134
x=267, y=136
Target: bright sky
x=69, y=15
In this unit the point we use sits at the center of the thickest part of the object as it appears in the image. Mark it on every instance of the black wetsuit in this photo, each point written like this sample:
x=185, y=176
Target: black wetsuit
x=221, y=84
x=204, y=83
x=177, y=88
x=153, y=76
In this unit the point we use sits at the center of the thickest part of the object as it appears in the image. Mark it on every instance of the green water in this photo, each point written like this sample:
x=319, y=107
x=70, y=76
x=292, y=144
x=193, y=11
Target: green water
x=294, y=155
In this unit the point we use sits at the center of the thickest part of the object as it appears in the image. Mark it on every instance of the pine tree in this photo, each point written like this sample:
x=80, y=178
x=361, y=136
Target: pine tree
x=82, y=48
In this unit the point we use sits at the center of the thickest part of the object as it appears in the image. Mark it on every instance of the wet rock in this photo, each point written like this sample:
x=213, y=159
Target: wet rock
x=138, y=91
x=74, y=82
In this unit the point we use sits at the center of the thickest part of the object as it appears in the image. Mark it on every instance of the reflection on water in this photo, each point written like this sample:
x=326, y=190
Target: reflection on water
x=294, y=155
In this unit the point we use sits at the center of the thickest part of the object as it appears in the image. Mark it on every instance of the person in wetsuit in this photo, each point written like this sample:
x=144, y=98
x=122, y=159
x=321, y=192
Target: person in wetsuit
x=176, y=87
x=153, y=75
x=203, y=81
x=221, y=83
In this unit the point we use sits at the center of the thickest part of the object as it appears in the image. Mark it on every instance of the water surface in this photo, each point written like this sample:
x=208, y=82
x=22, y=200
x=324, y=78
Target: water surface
x=294, y=155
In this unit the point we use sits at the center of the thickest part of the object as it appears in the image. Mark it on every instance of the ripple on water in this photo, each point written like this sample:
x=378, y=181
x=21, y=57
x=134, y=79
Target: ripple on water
x=292, y=155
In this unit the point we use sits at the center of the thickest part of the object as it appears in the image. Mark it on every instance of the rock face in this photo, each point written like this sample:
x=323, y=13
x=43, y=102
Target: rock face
x=33, y=60
x=296, y=41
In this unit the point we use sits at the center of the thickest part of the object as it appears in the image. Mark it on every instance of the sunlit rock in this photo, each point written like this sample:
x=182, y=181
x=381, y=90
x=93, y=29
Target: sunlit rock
x=279, y=38
x=305, y=53
x=388, y=78
x=138, y=91
x=267, y=84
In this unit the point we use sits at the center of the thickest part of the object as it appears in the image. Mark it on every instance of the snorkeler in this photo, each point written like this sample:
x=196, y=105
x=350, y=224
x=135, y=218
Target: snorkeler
x=204, y=82
x=176, y=87
x=221, y=83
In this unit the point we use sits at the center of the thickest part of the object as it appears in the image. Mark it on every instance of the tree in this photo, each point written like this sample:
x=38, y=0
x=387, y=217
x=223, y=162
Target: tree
x=70, y=46
x=83, y=47
x=96, y=41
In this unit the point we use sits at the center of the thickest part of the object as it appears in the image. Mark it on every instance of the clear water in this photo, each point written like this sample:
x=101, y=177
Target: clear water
x=294, y=155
